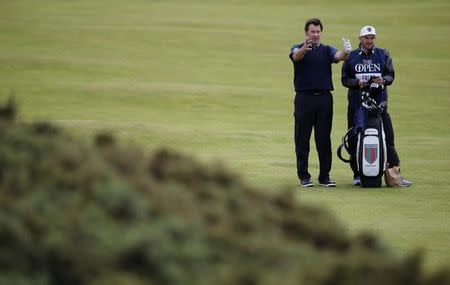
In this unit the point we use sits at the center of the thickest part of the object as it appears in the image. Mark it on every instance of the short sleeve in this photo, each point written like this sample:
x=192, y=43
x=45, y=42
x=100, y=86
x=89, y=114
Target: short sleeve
x=333, y=52
x=291, y=51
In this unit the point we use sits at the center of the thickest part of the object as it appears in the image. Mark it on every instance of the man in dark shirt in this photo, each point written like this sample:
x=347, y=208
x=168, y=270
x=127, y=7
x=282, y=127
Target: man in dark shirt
x=313, y=100
x=364, y=63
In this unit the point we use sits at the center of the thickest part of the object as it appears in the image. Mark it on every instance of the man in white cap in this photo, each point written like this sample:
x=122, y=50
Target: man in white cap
x=365, y=63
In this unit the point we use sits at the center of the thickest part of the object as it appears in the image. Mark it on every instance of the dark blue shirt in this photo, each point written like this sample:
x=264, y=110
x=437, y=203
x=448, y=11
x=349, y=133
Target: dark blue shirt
x=313, y=71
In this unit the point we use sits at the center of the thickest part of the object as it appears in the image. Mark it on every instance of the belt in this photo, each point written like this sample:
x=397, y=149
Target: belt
x=315, y=92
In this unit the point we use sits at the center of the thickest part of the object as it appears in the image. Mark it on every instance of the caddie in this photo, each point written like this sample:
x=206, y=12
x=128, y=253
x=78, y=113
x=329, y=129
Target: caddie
x=365, y=63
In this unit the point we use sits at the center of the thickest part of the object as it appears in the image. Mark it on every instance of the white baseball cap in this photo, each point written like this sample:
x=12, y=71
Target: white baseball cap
x=367, y=30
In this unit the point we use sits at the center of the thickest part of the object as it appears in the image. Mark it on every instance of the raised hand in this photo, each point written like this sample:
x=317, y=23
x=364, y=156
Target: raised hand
x=347, y=45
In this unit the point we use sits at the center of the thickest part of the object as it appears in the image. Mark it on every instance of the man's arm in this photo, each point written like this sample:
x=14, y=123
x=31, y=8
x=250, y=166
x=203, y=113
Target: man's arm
x=389, y=73
x=346, y=79
x=299, y=53
x=340, y=55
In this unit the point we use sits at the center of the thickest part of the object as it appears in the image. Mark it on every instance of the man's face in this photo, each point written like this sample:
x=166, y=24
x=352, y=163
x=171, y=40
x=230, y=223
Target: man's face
x=367, y=42
x=313, y=34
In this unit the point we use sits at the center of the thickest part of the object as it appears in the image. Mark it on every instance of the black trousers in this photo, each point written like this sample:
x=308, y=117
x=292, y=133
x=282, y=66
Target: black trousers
x=392, y=156
x=313, y=110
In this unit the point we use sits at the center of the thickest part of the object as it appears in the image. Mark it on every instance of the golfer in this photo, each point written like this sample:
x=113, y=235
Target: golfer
x=313, y=100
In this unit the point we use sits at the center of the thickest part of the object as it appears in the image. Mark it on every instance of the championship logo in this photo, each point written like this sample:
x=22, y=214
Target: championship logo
x=370, y=152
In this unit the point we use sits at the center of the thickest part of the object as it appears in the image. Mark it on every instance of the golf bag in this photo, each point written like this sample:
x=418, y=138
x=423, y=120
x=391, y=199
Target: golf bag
x=371, y=155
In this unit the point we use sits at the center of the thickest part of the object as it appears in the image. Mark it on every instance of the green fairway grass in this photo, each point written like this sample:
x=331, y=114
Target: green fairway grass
x=213, y=79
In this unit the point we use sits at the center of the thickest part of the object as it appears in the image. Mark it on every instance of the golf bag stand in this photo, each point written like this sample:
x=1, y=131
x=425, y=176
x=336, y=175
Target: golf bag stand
x=371, y=153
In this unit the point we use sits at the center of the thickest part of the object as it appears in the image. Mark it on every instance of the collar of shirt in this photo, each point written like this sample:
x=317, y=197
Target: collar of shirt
x=315, y=47
x=362, y=51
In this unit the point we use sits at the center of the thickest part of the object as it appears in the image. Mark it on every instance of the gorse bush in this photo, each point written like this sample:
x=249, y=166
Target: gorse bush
x=108, y=213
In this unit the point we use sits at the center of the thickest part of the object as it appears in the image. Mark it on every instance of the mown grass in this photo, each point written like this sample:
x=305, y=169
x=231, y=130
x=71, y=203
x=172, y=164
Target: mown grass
x=213, y=78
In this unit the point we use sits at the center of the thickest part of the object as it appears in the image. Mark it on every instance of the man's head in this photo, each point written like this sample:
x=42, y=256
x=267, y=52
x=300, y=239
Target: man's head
x=367, y=37
x=313, y=30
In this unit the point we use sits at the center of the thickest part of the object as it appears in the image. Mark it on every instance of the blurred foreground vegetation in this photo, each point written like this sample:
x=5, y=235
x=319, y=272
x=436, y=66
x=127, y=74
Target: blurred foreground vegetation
x=109, y=213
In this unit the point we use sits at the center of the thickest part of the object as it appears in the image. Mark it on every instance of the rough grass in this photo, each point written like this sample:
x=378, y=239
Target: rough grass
x=108, y=213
